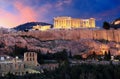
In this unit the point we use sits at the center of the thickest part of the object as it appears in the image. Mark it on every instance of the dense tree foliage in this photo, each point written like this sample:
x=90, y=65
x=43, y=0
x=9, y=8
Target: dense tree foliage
x=61, y=56
x=107, y=56
x=83, y=71
x=78, y=57
x=18, y=51
x=106, y=25
x=117, y=57
x=58, y=56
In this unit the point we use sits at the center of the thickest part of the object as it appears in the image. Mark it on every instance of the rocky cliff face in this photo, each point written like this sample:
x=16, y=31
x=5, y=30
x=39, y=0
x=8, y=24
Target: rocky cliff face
x=75, y=34
x=76, y=41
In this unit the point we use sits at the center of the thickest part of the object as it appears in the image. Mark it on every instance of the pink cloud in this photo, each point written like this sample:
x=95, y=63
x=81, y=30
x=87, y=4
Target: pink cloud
x=67, y=1
x=7, y=19
x=60, y=3
x=108, y=13
x=23, y=14
x=111, y=12
x=43, y=11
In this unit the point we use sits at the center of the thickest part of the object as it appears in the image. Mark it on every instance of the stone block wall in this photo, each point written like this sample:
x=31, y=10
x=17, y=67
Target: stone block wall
x=75, y=34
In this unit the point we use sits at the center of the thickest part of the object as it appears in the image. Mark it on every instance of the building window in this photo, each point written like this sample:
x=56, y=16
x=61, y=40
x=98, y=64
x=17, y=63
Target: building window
x=15, y=73
x=27, y=59
x=30, y=54
x=30, y=59
x=27, y=54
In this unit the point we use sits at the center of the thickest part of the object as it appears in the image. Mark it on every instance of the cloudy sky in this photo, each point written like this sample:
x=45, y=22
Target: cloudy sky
x=15, y=12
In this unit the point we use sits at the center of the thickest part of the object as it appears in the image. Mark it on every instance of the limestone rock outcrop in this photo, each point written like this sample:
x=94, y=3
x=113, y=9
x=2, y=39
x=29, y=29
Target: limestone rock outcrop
x=76, y=40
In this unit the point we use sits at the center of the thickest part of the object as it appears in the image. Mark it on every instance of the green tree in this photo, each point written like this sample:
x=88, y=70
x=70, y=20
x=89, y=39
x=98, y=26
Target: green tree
x=61, y=56
x=107, y=56
x=9, y=76
x=79, y=57
x=48, y=56
x=40, y=58
x=94, y=55
x=18, y=51
x=70, y=54
x=106, y=25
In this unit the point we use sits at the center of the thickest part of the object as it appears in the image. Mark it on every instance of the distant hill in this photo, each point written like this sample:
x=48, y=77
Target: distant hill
x=29, y=25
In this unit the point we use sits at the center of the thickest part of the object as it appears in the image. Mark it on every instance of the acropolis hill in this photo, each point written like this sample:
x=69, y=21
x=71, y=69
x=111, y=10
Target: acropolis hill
x=76, y=40
x=59, y=23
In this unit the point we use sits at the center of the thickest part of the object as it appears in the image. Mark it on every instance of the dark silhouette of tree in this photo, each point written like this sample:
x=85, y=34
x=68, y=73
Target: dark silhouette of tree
x=94, y=55
x=107, y=56
x=70, y=54
x=2, y=45
x=117, y=57
x=81, y=71
x=106, y=25
x=10, y=76
x=61, y=55
x=79, y=57
x=18, y=51
x=26, y=30
x=40, y=58
x=48, y=56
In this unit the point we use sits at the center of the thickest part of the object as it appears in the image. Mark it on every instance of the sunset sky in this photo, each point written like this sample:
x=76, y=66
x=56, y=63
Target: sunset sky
x=15, y=12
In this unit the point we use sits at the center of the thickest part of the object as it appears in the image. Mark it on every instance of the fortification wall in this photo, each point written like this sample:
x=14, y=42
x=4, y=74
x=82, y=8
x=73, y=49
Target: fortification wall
x=75, y=34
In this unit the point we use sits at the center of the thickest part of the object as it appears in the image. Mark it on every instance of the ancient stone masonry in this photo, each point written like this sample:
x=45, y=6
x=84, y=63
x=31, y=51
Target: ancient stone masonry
x=110, y=35
x=69, y=22
x=28, y=65
x=77, y=34
x=17, y=66
x=11, y=65
x=30, y=58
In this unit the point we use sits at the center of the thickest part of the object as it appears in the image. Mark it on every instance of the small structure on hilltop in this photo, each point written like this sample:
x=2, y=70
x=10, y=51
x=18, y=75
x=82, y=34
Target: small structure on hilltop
x=29, y=26
x=42, y=27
